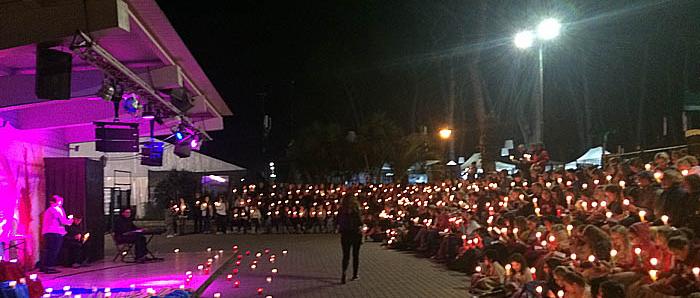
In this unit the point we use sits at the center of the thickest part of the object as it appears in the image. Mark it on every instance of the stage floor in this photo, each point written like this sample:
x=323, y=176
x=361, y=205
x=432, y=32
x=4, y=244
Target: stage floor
x=165, y=275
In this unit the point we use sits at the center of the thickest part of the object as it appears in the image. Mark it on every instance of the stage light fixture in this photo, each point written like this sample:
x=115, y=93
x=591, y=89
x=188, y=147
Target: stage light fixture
x=131, y=104
x=108, y=90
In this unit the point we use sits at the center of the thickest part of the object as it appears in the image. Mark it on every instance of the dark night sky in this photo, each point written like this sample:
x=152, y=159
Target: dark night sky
x=307, y=55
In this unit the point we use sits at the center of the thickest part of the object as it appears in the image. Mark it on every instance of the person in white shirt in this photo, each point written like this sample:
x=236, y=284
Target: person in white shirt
x=53, y=229
x=220, y=207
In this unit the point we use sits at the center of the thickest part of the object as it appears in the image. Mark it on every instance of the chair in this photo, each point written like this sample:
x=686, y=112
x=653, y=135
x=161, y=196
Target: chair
x=123, y=250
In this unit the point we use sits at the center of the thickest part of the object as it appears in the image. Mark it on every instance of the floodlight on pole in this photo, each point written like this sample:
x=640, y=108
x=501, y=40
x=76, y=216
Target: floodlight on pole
x=548, y=29
x=445, y=133
x=524, y=39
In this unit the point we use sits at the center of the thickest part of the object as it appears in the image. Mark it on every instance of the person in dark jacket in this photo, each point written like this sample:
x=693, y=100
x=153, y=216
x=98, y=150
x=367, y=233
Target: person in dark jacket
x=674, y=201
x=350, y=229
x=123, y=225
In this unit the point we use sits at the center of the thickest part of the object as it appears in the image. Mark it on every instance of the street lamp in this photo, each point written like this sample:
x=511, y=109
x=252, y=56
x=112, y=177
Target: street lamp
x=548, y=29
x=445, y=133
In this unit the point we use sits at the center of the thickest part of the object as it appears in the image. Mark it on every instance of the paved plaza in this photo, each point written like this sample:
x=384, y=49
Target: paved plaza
x=311, y=268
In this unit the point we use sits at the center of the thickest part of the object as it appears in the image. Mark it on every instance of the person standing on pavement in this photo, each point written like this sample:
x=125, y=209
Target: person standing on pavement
x=350, y=229
x=221, y=216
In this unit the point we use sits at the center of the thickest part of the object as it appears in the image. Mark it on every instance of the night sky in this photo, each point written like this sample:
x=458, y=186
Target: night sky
x=340, y=61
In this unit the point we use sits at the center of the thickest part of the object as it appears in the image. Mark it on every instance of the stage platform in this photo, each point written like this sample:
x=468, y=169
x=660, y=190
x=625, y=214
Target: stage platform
x=162, y=276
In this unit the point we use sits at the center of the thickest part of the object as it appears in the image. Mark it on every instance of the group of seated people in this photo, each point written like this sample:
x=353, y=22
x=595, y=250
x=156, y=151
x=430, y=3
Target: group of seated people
x=626, y=231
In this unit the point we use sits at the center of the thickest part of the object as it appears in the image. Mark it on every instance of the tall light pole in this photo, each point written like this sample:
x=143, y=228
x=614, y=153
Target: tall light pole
x=446, y=135
x=547, y=29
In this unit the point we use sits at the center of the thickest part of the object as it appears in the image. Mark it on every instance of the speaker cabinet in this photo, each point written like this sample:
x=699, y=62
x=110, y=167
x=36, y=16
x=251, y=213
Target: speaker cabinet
x=53, y=73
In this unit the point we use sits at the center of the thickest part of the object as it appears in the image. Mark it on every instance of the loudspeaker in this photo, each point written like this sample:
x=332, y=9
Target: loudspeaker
x=183, y=150
x=181, y=99
x=53, y=73
x=80, y=181
x=117, y=137
x=152, y=154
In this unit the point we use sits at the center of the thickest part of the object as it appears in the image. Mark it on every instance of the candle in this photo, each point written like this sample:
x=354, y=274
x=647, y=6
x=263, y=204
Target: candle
x=236, y=283
x=508, y=267
x=569, y=228
x=591, y=258
x=684, y=172
x=13, y=284
x=642, y=213
x=177, y=250
x=604, y=204
x=260, y=291
x=552, y=238
x=613, y=253
x=584, y=186
x=647, y=167
x=653, y=274
x=515, y=231
x=560, y=293
x=568, y=200
x=538, y=235
x=217, y=295
x=538, y=289
x=664, y=219
x=33, y=277
x=622, y=184
x=584, y=205
x=608, y=214
x=477, y=269
x=696, y=272
x=594, y=204
x=654, y=261
x=533, y=271
x=626, y=202
x=537, y=211
x=274, y=270
x=284, y=252
x=150, y=291
x=637, y=251
x=596, y=181
x=658, y=176
x=268, y=279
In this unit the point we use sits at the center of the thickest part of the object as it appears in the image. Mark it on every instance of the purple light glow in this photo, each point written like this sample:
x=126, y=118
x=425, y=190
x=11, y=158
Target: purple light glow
x=194, y=143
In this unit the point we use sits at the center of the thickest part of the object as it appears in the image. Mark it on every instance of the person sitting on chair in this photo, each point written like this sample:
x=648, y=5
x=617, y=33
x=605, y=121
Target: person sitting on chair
x=74, y=244
x=124, y=224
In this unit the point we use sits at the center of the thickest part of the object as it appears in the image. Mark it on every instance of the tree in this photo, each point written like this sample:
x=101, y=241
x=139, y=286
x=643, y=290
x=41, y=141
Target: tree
x=175, y=185
x=378, y=138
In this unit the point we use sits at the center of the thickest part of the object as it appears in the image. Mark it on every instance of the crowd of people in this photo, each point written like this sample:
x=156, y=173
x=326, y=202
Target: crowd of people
x=627, y=230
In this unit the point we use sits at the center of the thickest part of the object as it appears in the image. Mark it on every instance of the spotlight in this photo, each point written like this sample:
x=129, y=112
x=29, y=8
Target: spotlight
x=194, y=143
x=108, y=90
x=131, y=104
x=181, y=132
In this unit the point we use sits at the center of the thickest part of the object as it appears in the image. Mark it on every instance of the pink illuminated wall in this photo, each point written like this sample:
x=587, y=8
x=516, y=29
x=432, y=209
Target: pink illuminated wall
x=22, y=195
